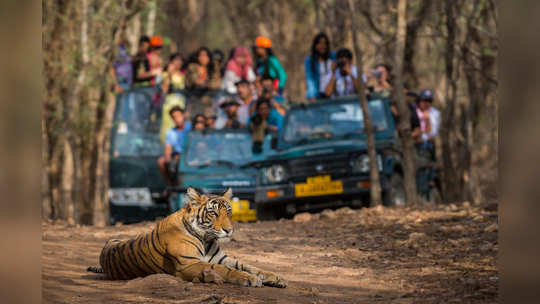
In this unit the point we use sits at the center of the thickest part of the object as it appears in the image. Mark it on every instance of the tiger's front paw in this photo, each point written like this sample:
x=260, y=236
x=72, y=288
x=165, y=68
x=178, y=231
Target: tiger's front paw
x=248, y=280
x=273, y=280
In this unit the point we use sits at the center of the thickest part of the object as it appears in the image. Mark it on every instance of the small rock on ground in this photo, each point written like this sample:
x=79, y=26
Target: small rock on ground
x=303, y=217
x=328, y=214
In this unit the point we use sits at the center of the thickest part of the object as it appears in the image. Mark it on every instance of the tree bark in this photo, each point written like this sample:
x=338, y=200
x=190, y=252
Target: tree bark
x=409, y=172
x=451, y=187
x=375, y=191
x=151, y=18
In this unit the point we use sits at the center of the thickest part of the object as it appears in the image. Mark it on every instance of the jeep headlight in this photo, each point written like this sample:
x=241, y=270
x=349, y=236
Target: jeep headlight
x=361, y=163
x=130, y=196
x=273, y=174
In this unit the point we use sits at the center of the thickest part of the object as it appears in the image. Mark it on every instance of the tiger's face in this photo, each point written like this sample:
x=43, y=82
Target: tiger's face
x=210, y=215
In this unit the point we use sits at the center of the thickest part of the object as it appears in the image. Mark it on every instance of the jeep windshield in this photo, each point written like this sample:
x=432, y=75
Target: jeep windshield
x=332, y=120
x=212, y=149
x=136, y=125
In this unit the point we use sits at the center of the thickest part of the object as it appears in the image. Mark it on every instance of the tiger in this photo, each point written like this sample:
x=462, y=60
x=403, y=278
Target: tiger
x=185, y=244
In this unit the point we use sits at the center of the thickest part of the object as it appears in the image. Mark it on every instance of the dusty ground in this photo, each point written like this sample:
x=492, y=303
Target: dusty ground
x=445, y=254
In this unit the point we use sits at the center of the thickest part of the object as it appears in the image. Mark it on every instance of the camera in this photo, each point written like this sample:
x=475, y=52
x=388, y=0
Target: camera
x=257, y=120
x=376, y=73
x=341, y=63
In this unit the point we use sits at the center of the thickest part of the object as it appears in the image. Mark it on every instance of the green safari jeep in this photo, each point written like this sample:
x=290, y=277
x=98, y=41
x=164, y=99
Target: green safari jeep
x=137, y=190
x=321, y=159
x=136, y=187
x=214, y=160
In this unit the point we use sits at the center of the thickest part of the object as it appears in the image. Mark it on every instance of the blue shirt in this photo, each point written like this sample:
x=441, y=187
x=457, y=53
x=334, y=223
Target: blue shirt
x=175, y=137
x=274, y=119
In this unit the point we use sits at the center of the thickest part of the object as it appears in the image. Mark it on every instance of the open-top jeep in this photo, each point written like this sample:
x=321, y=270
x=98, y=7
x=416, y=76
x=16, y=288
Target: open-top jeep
x=321, y=159
x=214, y=160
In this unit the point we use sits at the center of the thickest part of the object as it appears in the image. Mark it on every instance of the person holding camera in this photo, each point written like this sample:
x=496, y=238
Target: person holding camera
x=268, y=91
x=341, y=81
x=379, y=81
x=264, y=121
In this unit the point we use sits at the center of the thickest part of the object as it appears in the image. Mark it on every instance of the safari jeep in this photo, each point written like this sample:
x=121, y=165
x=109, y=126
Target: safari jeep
x=137, y=190
x=215, y=160
x=136, y=186
x=321, y=159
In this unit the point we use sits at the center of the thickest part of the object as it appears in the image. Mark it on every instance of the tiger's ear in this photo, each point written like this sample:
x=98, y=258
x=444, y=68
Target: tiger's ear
x=227, y=194
x=193, y=195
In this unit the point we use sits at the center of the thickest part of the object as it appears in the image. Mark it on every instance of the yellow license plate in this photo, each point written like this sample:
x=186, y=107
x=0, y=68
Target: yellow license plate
x=241, y=211
x=318, y=185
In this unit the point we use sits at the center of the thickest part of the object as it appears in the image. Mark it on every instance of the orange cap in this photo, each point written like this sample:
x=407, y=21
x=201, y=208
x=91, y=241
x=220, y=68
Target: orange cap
x=264, y=42
x=156, y=41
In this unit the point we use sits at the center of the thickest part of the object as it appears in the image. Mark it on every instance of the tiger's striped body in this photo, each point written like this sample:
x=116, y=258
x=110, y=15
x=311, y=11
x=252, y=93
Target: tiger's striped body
x=185, y=244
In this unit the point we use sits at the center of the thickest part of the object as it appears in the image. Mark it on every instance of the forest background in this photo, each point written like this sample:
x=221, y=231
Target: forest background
x=451, y=46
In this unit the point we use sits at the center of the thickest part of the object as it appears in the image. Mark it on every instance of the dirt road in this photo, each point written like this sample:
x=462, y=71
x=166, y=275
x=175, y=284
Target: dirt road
x=382, y=255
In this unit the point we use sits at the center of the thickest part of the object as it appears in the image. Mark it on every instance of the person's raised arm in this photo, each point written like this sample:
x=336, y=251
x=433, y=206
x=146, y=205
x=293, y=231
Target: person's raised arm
x=279, y=108
x=330, y=80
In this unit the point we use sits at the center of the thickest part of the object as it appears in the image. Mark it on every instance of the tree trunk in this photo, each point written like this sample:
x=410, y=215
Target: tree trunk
x=409, y=172
x=317, y=5
x=101, y=201
x=67, y=209
x=151, y=18
x=451, y=187
x=133, y=33
x=375, y=191
x=46, y=209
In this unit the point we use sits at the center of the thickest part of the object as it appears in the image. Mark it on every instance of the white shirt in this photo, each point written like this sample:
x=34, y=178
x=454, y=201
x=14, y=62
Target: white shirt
x=230, y=79
x=242, y=115
x=344, y=85
x=434, y=120
x=325, y=67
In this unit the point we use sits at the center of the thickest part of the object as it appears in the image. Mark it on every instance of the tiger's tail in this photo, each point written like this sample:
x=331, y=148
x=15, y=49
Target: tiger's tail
x=95, y=269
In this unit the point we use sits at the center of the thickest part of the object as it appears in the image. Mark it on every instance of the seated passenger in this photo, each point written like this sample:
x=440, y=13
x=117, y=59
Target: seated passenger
x=230, y=119
x=267, y=63
x=317, y=65
x=430, y=119
x=199, y=122
x=211, y=121
x=201, y=73
x=174, y=142
x=238, y=68
x=341, y=81
x=140, y=66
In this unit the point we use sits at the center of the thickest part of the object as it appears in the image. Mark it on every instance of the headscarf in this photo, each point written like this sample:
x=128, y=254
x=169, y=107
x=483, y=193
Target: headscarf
x=233, y=65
